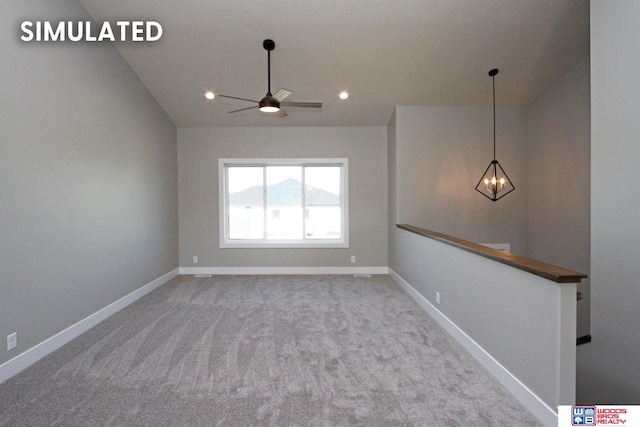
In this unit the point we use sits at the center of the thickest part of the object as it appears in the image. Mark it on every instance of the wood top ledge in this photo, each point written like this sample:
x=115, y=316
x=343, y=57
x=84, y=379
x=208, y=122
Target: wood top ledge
x=548, y=271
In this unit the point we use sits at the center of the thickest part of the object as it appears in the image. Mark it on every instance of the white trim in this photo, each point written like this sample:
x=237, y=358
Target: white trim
x=284, y=244
x=283, y=270
x=37, y=352
x=528, y=398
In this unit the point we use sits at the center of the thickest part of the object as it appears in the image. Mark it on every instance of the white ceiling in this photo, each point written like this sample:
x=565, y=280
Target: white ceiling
x=383, y=52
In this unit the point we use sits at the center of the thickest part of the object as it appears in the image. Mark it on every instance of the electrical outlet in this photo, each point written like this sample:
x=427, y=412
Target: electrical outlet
x=437, y=297
x=12, y=341
x=195, y=259
x=353, y=259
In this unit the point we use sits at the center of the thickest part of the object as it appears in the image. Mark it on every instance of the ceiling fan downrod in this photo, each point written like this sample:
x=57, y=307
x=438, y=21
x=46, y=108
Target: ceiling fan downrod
x=269, y=45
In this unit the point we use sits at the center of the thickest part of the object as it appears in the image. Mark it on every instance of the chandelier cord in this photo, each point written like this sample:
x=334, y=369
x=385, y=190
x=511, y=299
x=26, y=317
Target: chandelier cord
x=493, y=78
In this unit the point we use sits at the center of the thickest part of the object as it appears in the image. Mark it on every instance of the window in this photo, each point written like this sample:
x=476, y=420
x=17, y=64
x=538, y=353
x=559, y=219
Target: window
x=276, y=203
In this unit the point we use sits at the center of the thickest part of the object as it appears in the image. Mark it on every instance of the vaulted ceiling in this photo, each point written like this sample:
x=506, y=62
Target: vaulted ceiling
x=383, y=52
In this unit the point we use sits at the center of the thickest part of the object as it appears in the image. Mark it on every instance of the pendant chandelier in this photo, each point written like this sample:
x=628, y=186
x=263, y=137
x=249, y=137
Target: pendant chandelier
x=494, y=184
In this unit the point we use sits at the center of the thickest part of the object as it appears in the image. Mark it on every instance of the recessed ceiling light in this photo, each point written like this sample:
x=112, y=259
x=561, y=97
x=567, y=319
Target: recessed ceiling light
x=344, y=95
x=209, y=95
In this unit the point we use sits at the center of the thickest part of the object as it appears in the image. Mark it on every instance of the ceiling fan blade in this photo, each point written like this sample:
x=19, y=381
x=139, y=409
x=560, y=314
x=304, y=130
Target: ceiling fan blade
x=241, y=99
x=243, y=109
x=282, y=113
x=282, y=94
x=302, y=104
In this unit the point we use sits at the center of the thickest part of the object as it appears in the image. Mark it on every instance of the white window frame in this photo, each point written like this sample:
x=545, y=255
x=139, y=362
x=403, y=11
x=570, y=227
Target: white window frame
x=223, y=203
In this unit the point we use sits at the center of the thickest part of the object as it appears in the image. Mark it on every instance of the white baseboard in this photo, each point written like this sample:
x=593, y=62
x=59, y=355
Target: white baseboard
x=32, y=355
x=530, y=400
x=283, y=270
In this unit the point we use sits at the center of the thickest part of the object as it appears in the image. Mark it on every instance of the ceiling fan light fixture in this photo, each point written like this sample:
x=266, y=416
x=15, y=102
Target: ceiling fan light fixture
x=268, y=109
x=269, y=104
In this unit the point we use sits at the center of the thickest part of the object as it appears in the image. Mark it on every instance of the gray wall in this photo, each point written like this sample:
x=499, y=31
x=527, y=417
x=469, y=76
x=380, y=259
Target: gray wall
x=392, y=171
x=89, y=182
x=558, y=178
x=515, y=316
x=436, y=156
x=199, y=150
x=439, y=148
x=441, y=153
x=395, y=254
x=608, y=367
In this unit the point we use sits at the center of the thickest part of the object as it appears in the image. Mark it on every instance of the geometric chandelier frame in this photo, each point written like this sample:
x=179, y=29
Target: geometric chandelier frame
x=494, y=184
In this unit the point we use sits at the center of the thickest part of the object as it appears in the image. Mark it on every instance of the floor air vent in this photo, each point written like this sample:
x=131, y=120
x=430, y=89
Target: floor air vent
x=202, y=276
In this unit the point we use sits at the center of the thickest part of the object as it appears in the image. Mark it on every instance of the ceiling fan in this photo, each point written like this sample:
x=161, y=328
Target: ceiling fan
x=272, y=103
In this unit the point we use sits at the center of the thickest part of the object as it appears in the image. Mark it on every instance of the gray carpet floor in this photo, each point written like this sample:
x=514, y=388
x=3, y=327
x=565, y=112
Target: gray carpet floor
x=263, y=351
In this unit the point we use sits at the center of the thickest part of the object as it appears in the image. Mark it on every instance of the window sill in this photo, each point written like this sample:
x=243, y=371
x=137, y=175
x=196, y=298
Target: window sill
x=282, y=245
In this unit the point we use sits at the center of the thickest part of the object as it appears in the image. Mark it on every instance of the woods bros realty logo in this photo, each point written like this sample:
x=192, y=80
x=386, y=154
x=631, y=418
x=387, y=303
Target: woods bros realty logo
x=597, y=415
x=87, y=31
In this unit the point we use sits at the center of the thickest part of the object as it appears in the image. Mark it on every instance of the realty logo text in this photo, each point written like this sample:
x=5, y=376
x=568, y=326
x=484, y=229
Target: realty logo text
x=590, y=415
x=87, y=31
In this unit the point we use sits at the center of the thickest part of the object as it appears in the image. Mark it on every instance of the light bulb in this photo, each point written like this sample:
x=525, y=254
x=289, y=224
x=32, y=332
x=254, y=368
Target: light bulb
x=494, y=185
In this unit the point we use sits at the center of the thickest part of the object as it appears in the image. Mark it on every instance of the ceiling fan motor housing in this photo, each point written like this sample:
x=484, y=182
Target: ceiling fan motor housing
x=269, y=104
